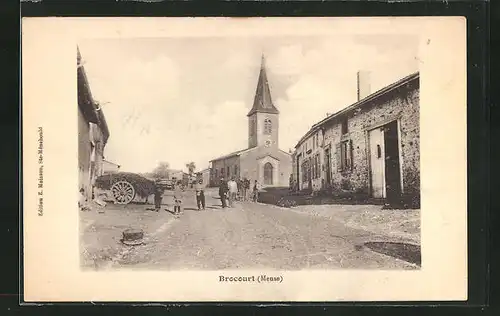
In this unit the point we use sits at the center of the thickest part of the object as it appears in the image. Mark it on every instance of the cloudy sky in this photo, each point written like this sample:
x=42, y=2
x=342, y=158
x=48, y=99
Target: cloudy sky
x=186, y=99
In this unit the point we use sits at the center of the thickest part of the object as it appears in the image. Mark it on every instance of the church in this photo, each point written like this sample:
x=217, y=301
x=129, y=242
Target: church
x=262, y=160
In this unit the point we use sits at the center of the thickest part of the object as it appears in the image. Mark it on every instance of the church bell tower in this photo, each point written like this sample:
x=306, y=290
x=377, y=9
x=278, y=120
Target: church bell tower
x=263, y=118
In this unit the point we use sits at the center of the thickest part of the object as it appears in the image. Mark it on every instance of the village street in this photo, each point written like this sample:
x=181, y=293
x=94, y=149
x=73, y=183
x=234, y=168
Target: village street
x=248, y=236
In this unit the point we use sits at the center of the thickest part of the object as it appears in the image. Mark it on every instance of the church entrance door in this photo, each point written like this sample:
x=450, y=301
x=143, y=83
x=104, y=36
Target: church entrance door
x=268, y=174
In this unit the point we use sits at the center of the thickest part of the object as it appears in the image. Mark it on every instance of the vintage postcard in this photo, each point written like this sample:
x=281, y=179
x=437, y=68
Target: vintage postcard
x=257, y=159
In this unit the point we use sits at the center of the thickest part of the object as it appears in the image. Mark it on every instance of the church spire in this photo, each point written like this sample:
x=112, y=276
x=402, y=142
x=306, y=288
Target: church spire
x=263, y=102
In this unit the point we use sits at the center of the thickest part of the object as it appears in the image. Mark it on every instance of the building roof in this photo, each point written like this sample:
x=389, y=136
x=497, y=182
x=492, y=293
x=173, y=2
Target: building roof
x=360, y=103
x=239, y=152
x=90, y=109
x=113, y=163
x=174, y=170
x=263, y=102
x=233, y=154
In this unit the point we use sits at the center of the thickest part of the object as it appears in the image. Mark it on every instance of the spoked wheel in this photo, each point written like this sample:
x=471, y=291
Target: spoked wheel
x=123, y=192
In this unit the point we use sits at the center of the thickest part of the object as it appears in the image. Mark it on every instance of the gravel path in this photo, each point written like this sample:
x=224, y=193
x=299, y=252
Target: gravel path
x=249, y=236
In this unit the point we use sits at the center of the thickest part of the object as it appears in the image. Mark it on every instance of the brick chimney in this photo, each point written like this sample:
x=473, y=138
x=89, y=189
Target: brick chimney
x=363, y=81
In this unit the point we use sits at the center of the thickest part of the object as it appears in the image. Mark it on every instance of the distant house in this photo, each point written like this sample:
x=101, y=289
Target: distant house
x=176, y=174
x=371, y=147
x=109, y=167
x=93, y=133
x=205, y=176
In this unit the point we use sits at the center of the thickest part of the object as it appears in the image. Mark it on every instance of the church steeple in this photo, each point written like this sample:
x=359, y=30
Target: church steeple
x=263, y=118
x=263, y=102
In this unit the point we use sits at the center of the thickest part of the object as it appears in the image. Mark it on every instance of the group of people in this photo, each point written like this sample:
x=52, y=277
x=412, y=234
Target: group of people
x=178, y=197
x=233, y=190
x=229, y=192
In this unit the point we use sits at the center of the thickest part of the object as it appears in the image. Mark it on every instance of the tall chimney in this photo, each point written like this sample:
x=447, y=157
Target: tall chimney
x=363, y=84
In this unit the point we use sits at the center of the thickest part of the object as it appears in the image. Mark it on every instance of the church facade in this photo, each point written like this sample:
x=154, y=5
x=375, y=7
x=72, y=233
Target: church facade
x=262, y=160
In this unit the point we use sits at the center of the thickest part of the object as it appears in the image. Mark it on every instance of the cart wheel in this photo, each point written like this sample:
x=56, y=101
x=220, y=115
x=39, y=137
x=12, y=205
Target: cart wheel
x=123, y=192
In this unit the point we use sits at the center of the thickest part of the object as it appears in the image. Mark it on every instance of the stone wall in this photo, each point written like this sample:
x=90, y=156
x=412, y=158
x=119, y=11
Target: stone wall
x=217, y=165
x=252, y=163
x=257, y=137
x=400, y=104
x=84, y=155
x=312, y=146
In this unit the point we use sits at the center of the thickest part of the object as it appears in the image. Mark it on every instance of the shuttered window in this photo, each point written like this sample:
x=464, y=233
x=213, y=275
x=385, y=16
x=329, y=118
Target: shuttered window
x=344, y=156
x=318, y=166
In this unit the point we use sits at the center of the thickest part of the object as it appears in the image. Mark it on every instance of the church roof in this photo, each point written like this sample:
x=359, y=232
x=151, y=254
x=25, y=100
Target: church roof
x=263, y=102
x=239, y=152
x=236, y=153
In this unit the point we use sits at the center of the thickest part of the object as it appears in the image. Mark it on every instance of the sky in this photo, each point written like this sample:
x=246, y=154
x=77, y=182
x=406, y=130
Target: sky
x=178, y=100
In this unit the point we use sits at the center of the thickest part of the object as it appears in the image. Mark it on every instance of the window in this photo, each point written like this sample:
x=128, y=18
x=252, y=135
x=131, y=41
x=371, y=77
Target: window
x=236, y=170
x=216, y=174
x=317, y=140
x=345, y=126
x=346, y=155
x=268, y=127
x=221, y=172
x=318, y=167
x=228, y=171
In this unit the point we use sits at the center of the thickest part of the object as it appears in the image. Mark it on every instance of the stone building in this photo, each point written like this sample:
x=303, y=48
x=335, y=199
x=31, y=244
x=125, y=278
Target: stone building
x=262, y=160
x=93, y=133
x=370, y=148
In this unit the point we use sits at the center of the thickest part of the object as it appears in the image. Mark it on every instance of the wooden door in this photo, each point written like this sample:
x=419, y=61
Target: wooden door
x=377, y=162
x=268, y=174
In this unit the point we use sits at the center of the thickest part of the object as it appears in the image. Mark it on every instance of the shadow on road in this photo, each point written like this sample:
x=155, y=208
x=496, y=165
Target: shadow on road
x=403, y=251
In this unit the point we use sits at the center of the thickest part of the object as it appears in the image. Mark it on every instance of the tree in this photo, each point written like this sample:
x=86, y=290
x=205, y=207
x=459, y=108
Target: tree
x=191, y=168
x=162, y=170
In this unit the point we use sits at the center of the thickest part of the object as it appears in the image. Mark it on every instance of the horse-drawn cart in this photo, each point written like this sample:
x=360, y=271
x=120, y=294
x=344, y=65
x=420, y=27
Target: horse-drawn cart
x=124, y=187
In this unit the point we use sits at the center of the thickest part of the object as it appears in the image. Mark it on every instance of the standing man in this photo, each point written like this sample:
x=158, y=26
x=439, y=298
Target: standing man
x=255, y=191
x=223, y=191
x=200, y=194
x=247, y=189
x=158, y=195
x=233, y=191
x=238, y=185
x=244, y=189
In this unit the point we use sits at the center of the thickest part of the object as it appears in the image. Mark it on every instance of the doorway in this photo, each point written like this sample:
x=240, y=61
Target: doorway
x=384, y=162
x=327, y=167
x=392, y=170
x=268, y=174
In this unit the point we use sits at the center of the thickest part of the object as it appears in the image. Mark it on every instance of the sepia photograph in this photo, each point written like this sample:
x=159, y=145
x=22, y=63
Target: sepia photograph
x=262, y=159
x=223, y=153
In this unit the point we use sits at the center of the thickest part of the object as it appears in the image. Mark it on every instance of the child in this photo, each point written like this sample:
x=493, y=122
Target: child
x=178, y=199
x=82, y=202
